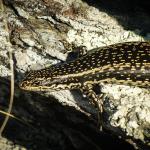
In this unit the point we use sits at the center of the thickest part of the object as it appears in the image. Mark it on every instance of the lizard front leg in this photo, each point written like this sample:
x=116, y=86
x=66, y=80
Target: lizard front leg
x=77, y=53
x=87, y=89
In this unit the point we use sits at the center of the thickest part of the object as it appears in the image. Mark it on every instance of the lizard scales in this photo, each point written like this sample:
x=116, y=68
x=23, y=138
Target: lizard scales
x=124, y=63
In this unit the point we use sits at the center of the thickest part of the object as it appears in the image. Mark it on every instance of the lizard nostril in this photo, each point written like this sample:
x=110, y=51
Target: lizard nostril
x=23, y=84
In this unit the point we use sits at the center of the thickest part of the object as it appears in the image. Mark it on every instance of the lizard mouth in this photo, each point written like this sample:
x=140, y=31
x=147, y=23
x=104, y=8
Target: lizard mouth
x=35, y=86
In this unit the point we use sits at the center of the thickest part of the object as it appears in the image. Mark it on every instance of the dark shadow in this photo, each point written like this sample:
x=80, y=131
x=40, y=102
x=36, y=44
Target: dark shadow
x=131, y=14
x=52, y=126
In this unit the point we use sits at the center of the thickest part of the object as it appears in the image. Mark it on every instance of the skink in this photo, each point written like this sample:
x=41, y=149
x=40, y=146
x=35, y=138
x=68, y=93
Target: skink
x=123, y=63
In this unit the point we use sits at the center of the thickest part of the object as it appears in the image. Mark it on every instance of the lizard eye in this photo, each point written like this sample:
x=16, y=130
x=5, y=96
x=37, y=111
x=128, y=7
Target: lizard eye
x=36, y=83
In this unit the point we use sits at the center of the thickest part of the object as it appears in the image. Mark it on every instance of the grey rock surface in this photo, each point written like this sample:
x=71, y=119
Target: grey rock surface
x=41, y=34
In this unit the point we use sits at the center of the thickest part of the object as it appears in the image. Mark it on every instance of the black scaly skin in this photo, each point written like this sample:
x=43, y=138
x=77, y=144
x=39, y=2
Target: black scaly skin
x=124, y=63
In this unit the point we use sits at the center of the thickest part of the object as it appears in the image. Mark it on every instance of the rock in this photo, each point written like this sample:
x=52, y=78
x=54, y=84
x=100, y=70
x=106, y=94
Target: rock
x=41, y=34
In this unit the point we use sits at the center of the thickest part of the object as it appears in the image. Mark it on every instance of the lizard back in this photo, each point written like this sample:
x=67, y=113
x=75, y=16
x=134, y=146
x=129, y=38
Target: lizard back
x=124, y=63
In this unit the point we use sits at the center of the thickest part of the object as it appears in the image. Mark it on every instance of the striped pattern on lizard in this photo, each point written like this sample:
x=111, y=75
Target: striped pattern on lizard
x=123, y=63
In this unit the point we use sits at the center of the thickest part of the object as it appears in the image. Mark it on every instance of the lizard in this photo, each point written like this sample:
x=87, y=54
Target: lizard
x=125, y=63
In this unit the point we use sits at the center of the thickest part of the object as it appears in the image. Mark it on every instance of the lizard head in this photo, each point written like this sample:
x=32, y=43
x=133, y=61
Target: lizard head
x=32, y=81
x=49, y=79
